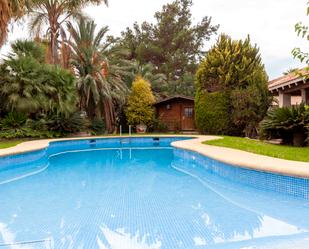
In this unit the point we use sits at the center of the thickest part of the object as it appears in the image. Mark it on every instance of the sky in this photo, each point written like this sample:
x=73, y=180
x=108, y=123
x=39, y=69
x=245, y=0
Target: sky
x=270, y=24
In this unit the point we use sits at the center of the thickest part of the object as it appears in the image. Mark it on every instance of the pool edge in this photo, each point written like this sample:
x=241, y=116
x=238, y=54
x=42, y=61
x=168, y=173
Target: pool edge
x=243, y=159
x=234, y=157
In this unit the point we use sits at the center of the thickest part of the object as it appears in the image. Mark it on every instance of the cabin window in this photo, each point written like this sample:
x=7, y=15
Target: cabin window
x=168, y=107
x=189, y=112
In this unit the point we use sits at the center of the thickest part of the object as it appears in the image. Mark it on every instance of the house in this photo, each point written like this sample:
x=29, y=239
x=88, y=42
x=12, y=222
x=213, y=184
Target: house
x=176, y=113
x=291, y=89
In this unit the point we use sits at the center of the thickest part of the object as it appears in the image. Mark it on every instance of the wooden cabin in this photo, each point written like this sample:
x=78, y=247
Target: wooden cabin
x=177, y=113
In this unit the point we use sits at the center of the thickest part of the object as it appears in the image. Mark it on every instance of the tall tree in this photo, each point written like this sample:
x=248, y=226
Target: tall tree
x=173, y=44
x=100, y=76
x=10, y=9
x=147, y=72
x=232, y=79
x=52, y=16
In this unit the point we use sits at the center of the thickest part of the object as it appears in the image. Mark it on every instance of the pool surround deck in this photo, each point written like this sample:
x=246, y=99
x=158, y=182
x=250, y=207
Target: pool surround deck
x=229, y=156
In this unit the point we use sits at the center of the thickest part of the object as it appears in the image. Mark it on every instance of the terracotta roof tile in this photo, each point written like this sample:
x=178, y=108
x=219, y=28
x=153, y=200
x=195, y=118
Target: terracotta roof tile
x=281, y=81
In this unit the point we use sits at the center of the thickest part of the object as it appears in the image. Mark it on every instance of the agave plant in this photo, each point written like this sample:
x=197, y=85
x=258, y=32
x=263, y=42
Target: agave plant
x=13, y=120
x=288, y=120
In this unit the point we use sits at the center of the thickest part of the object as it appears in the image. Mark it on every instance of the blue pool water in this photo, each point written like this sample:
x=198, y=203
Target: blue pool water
x=141, y=194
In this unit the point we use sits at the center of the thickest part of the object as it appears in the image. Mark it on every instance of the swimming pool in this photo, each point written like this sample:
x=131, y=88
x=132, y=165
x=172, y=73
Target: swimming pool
x=141, y=193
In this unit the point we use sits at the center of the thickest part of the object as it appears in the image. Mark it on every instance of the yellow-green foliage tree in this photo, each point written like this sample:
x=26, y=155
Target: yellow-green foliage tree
x=140, y=103
x=232, y=94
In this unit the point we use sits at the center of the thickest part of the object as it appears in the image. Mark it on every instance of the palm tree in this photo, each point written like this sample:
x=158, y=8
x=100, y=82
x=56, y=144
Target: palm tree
x=147, y=71
x=10, y=9
x=99, y=72
x=55, y=14
x=30, y=86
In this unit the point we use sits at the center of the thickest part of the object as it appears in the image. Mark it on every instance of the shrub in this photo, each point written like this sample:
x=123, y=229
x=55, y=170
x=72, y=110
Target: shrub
x=17, y=125
x=249, y=107
x=140, y=103
x=234, y=69
x=65, y=124
x=212, y=112
x=159, y=126
x=26, y=132
x=30, y=86
x=98, y=126
x=13, y=121
x=290, y=123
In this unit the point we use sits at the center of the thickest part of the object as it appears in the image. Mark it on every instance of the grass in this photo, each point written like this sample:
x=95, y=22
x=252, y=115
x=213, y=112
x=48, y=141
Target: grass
x=7, y=144
x=262, y=148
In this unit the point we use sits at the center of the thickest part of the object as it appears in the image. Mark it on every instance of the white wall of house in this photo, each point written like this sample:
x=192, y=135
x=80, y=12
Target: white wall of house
x=295, y=100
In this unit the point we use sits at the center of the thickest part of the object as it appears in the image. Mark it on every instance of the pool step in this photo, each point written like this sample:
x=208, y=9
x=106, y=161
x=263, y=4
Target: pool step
x=125, y=140
x=46, y=242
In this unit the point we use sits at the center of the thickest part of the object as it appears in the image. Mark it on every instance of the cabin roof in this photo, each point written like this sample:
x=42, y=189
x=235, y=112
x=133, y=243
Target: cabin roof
x=174, y=98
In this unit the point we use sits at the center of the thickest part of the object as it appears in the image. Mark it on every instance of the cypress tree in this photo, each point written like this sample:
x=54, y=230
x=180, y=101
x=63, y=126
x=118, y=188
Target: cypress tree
x=234, y=68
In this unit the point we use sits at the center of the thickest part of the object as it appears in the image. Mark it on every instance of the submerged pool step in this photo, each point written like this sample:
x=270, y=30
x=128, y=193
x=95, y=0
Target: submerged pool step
x=125, y=141
x=44, y=242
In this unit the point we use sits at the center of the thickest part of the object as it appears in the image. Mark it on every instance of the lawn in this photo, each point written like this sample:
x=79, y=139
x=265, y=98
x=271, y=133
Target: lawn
x=6, y=144
x=259, y=147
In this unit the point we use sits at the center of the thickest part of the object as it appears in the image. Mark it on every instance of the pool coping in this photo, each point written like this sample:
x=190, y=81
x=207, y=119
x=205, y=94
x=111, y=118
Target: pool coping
x=243, y=159
x=229, y=156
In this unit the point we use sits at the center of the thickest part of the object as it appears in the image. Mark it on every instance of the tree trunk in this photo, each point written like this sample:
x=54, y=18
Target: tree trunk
x=6, y=14
x=54, y=47
x=109, y=115
x=54, y=33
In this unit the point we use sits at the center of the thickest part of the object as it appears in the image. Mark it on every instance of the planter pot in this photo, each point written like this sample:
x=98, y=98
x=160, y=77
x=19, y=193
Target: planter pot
x=141, y=129
x=299, y=138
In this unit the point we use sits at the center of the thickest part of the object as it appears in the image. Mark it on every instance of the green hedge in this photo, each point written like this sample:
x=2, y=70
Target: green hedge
x=212, y=112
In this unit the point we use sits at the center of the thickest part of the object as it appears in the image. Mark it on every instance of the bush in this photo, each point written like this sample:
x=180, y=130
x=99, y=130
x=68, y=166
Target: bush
x=159, y=126
x=234, y=69
x=30, y=86
x=17, y=125
x=140, y=103
x=289, y=123
x=26, y=132
x=212, y=112
x=98, y=126
x=65, y=124
x=13, y=121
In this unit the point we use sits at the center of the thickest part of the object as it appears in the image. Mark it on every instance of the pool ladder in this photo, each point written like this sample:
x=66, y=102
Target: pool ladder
x=126, y=140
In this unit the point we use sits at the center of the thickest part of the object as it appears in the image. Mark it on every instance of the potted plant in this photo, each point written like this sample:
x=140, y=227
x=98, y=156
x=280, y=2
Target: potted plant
x=141, y=128
x=140, y=110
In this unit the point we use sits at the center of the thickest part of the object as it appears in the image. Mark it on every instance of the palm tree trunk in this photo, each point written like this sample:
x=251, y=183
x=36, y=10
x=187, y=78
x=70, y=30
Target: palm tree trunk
x=54, y=33
x=109, y=115
x=54, y=47
x=4, y=20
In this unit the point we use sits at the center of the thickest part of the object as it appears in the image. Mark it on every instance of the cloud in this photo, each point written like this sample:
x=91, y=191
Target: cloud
x=269, y=23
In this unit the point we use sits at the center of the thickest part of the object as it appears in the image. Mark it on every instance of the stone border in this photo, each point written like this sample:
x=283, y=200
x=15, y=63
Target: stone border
x=243, y=159
x=233, y=157
x=36, y=145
